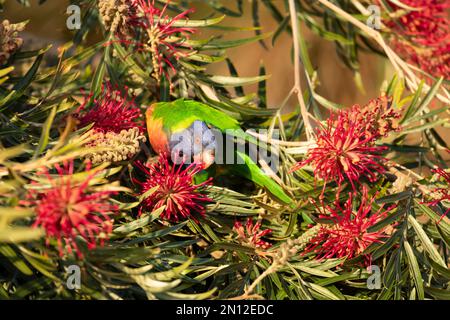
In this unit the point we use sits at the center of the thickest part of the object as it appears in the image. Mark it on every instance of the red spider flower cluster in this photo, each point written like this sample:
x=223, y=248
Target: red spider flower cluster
x=110, y=112
x=118, y=128
x=345, y=150
x=251, y=234
x=378, y=116
x=164, y=38
x=442, y=193
x=347, y=235
x=176, y=189
x=422, y=36
x=67, y=210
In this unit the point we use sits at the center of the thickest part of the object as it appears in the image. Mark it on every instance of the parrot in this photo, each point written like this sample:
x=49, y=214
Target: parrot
x=189, y=130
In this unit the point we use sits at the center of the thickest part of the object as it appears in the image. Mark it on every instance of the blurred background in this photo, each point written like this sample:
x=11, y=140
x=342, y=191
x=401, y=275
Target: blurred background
x=47, y=24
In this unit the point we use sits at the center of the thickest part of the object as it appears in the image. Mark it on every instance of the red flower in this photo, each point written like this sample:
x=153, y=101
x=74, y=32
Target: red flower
x=347, y=236
x=434, y=61
x=443, y=193
x=422, y=36
x=67, y=210
x=164, y=39
x=378, y=116
x=345, y=150
x=110, y=112
x=177, y=191
x=251, y=234
x=428, y=25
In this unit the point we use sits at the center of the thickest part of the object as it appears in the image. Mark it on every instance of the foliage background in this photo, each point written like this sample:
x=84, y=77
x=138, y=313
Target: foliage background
x=162, y=268
x=338, y=85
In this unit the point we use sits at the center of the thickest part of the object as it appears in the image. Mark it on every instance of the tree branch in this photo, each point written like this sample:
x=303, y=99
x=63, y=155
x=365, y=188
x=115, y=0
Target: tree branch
x=297, y=65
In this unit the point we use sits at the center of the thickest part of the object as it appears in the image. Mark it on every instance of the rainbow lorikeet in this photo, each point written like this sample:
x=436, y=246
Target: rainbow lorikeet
x=192, y=131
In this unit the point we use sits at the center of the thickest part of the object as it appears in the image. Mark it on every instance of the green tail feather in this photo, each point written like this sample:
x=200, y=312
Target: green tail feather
x=251, y=171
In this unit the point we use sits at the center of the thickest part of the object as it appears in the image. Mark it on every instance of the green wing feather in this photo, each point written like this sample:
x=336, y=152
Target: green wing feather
x=180, y=114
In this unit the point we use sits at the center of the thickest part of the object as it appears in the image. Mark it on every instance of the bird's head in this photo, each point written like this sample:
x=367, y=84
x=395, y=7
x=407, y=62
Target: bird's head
x=195, y=144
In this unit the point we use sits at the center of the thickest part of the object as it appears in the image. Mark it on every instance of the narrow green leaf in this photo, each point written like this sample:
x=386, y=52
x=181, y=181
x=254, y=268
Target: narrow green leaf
x=414, y=270
x=427, y=244
x=45, y=134
x=194, y=23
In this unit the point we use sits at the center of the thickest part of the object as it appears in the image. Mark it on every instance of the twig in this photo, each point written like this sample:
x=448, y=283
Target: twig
x=280, y=257
x=273, y=268
x=246, y=296
x=297, y=63
x=268, y=139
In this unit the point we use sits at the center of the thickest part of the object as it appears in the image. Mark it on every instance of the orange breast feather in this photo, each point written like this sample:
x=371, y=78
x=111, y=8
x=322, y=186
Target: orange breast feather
x=156, y=134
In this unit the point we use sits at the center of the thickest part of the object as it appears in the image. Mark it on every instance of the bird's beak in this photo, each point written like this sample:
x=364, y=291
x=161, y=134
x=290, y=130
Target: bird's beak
x=206, y=158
